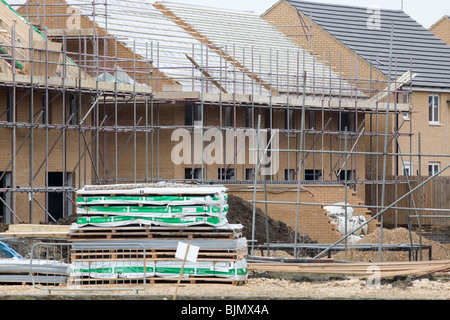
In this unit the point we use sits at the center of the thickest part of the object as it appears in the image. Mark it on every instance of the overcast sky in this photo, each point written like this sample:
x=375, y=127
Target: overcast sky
x=426, y=12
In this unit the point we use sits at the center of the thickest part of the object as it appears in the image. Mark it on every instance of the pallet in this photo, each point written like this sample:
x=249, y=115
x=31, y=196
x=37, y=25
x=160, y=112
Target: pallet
x=154, y=280
x=156, y=254
x=145, y=232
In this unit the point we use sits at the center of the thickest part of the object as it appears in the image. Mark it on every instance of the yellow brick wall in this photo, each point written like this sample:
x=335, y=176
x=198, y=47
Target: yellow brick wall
x=442, y=29
x=344, y=61
x=167, y=117
x=434, y=137
x=54, y=162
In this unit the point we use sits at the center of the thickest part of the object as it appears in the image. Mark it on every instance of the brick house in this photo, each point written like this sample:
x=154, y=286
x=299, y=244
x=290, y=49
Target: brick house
x=359, y=38
x=233, y=77
x=46, y=123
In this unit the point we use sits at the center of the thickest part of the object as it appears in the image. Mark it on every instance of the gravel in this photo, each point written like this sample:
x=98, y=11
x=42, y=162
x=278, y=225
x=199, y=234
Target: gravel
x=276, y=288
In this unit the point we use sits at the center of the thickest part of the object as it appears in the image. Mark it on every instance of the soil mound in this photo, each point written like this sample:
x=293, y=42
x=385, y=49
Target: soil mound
x=241, y=211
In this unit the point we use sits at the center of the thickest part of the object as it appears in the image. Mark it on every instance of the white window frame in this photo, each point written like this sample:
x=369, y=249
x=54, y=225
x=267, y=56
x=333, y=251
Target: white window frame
x=433, y=168
x=433, y=104
x=408, y=166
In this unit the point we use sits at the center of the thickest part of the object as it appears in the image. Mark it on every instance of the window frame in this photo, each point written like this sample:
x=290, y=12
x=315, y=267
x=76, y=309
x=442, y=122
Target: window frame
x=409, y=166
x=434, y=109
x=315, y=174
x=431, y=168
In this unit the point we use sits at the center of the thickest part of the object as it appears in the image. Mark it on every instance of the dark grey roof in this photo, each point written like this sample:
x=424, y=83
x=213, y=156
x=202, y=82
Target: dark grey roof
x=414, y=46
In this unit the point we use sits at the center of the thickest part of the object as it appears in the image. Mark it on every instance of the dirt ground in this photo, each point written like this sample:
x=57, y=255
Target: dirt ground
x=270, y=287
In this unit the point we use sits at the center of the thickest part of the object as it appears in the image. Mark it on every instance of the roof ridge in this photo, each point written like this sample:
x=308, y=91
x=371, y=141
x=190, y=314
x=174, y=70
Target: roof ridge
x=343, y=5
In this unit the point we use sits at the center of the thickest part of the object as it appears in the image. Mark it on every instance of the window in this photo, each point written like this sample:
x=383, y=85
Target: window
x=73, y=109
x=408, y=169
x=289, y=119
x=190, y=174
x=433, y=105
x=313, y=175
x=349, y=174
x=249, y=174
x=433, y=168
x=192, y=114
x=248, y=120
x=289, y=174
x=228, y=121
x=9, y=106
x=347, y=120
x=312, y=120
x=225, y=174
x=403, y=98
x=46, y=107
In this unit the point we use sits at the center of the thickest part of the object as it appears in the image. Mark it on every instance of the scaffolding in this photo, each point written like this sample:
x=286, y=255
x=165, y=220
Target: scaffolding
x=114, y=105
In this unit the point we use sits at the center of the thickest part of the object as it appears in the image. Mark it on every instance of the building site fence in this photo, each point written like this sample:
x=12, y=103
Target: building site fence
x=82, y=267
x=430, y=203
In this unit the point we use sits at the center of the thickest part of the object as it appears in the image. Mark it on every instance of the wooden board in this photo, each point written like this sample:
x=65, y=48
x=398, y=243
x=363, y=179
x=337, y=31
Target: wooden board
x=36, y=231
x=37, y=228
x=386, y=269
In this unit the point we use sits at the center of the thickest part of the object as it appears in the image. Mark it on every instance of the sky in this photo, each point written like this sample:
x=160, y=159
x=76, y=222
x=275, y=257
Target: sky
x=426, y=12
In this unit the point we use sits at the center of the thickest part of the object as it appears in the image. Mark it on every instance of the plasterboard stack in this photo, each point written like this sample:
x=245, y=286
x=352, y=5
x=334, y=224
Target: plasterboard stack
x=157, y=217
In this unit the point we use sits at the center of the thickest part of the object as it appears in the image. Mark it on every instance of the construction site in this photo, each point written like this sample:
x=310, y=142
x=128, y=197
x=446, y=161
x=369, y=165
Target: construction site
x=134, y=132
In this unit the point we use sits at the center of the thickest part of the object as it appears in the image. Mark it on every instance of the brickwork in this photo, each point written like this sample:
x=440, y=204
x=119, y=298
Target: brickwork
x=343, y=58
x=170, y=116
x=434, y=136
x=41, y=163
x=442, y=29
x=312, y=219
x=328, y=49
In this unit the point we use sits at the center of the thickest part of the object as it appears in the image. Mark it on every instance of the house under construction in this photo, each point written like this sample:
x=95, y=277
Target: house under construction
x=114, y=92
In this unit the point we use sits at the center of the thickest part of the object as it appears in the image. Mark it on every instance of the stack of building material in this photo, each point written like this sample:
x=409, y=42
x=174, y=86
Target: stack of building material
x=16, y=270
x=157, y=217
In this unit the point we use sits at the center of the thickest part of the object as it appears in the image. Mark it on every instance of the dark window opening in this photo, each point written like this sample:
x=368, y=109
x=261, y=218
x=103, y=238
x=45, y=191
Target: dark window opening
x=313, y=175
x=192, y=174
x=289, y=174
x=225, y=174
x=346, y=173
x=347, y=120
x=192, y=114
x=57, y=205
